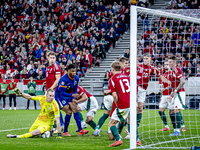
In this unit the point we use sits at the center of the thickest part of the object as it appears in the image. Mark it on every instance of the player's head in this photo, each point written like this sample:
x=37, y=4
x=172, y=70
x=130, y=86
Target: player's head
x=51, y=58
x=4, y=80
x=31, y=78
x=124, y=62
x=50, y=95
x=72, y=70
x=116, y=67
x=12, y=79
x=172, y=61
x=166, y=65
x=147, y=58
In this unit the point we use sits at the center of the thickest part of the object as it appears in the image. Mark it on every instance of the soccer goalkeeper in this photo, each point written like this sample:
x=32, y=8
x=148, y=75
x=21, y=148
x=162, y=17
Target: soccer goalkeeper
x=49, y=112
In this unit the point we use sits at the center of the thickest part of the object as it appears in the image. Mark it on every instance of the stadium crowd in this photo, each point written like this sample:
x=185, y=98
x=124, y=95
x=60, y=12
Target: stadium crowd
x=166, y=37
x=78, y=32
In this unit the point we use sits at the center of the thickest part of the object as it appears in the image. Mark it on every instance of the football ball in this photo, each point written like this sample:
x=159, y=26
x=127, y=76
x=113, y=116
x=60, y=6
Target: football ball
x=46, y=134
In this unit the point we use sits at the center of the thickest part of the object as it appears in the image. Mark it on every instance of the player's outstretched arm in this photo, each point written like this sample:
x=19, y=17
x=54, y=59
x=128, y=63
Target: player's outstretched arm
x=19, y=93
x=82, y=99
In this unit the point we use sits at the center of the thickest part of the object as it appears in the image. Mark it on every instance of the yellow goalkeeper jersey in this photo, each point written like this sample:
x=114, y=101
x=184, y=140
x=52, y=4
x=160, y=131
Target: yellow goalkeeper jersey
x=49, y=110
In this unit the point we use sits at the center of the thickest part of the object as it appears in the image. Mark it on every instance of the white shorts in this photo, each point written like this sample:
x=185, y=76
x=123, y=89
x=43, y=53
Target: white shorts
x=90, y=105
x=120, y=114
x=164, y=101
x=108, y=101
x=178, y=101
x=141, y=95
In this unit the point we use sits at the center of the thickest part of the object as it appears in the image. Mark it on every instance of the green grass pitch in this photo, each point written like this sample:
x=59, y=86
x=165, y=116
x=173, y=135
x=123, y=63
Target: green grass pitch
x=24, y=119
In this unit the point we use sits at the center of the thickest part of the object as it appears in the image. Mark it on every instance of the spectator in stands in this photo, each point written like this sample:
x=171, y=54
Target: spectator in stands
x=83, y=65
x=127, y=54
x=198, y=70
x=37, y=28
x=40, y=76
x=94, y=54
x=3, y=90
x=31, y=91
x=24, y=73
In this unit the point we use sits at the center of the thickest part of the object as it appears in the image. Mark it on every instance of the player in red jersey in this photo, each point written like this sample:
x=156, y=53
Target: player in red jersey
x=120, y=89
x=164, y=102
x=53, y=74
x=177, y=96
x=166, y=91
x=144, y=72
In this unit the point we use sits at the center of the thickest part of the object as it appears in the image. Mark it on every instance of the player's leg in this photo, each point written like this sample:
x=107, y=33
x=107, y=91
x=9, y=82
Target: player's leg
x=108, y=100
x=14, y=99
x=83, y=124
x=119, y=115
x=92, y=109
x=182, y=101
x=28, y=102
x=82, y=106
x=162, y=106
x=10, y=101
x=92, y=106
x=35, y=105
x=141, y=101
x=68, y=115
x=74, y=108
x=175, y=116
x=4, y=101
x=29, y=134
x=182, y=122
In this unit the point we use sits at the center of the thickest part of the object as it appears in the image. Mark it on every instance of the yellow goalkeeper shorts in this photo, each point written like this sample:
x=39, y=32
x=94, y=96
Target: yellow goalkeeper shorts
x=41, y=126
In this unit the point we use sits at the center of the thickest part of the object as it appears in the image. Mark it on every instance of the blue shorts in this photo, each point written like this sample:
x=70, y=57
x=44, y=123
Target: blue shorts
x=62, y=102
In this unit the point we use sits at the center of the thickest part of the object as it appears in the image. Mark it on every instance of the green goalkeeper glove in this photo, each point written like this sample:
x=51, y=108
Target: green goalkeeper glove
x=17, y=91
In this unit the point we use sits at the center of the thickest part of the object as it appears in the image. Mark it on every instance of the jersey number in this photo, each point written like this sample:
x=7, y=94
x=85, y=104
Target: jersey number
x=126, y=83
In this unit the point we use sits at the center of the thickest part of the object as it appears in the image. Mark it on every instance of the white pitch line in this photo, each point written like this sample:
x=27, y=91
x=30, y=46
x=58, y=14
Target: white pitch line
x=14, y=129
x=171, y=141
x=28, y=128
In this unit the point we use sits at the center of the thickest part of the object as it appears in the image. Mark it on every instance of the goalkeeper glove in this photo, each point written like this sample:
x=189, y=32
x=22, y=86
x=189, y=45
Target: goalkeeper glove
x=59, y=136
x=17, y=91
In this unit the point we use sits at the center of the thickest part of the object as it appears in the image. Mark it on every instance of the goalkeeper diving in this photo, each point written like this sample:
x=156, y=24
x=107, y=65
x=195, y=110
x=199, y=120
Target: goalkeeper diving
x=48, y=114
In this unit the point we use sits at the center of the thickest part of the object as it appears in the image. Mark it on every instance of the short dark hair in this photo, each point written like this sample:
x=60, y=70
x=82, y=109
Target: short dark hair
x=123, y=59
x=172, y=57
x=71, y=66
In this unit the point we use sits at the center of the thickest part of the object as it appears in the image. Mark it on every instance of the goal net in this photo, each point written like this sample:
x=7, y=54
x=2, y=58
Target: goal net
x=165, y=33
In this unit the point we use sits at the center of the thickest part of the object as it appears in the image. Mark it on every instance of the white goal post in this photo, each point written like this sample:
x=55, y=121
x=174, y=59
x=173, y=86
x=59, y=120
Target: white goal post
x=133, y=62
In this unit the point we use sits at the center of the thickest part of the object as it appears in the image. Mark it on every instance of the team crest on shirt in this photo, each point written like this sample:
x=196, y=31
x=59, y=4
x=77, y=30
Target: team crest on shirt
x=75, y=82
x=64, y=102
x=63, y=83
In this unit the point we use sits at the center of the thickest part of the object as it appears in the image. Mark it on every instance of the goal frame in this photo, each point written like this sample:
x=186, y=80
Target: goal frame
x=133, y=62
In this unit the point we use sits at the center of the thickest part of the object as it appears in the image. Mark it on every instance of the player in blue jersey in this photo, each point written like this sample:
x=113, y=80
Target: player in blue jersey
x=66, y=95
